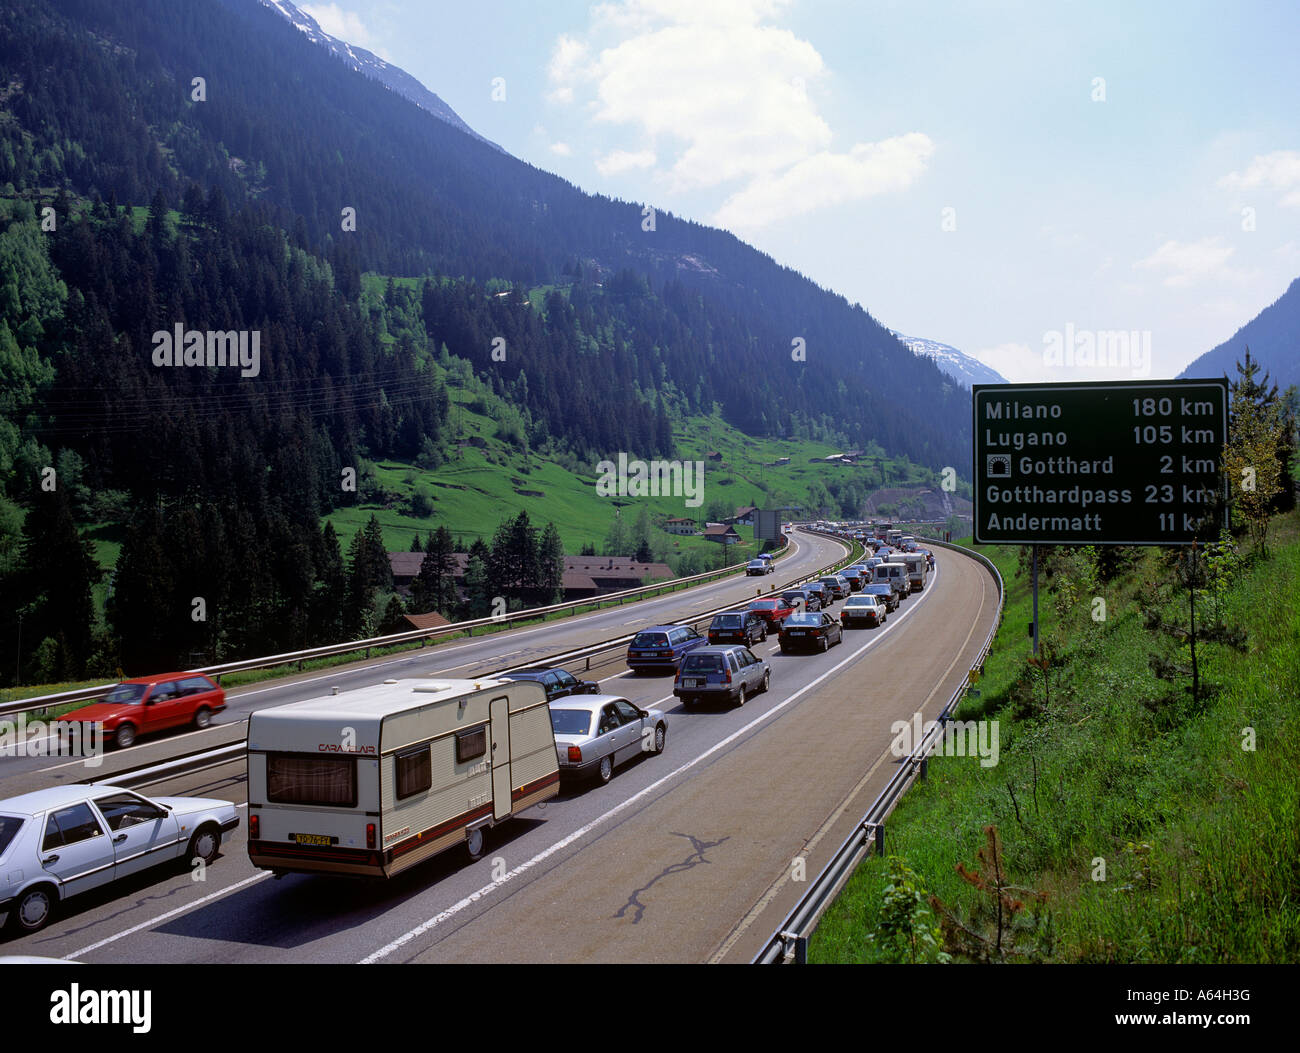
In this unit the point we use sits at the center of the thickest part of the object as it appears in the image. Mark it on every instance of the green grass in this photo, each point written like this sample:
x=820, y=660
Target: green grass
x=1200, y=838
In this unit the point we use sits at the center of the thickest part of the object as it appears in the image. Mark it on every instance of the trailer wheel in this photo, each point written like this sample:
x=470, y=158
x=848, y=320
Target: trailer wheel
x=474, y=843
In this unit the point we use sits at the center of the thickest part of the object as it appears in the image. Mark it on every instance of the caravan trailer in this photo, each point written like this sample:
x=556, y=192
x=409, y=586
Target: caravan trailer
x=372, y=781
x=918, y=567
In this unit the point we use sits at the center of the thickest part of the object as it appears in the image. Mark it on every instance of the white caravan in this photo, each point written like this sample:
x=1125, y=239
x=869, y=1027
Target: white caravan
x=372, y=781
x=891, y=573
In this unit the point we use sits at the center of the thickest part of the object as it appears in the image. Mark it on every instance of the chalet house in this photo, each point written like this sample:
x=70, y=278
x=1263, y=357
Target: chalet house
x=722, y=533
x=684, y=527
x=744, y=516
x=584, y=576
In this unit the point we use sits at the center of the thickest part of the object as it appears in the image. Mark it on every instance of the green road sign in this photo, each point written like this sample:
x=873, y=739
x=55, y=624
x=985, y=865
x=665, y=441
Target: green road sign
x=1124, y=463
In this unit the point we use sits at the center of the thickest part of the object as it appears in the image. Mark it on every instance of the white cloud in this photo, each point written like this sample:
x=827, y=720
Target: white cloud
x=561, y=149
x=723, y=99
x=828, y=179
x=1019, y=363
x=1186, y=262
x=567, y=67
x=1279, y=170
x=346, y=25
x=617, y=161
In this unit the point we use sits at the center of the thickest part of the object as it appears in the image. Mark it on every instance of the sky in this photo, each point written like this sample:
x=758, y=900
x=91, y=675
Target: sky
x=1021, y=181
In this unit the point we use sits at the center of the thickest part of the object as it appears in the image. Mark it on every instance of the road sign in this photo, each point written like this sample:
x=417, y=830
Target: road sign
x=1123, y=463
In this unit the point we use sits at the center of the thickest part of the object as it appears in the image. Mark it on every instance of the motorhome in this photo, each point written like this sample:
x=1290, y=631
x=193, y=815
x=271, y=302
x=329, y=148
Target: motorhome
x=372, y=781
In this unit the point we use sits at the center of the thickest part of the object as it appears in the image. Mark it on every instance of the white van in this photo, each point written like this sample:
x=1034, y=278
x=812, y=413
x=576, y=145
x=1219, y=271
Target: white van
x=372, y=781
x=895, y=574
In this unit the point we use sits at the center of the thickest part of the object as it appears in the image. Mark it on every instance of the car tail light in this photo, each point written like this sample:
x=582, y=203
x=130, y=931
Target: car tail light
x=370, y=835
x=254, y=827
x=575, y=755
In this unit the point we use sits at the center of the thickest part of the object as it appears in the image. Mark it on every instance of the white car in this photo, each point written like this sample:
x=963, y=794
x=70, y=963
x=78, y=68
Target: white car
x=59, y=842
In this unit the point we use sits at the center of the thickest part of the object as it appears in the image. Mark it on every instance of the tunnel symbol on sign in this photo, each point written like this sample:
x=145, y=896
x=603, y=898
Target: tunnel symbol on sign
x=999, y=466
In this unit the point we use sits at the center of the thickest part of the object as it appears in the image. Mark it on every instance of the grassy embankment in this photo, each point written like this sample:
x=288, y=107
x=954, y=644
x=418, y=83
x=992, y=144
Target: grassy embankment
x=1199, y=832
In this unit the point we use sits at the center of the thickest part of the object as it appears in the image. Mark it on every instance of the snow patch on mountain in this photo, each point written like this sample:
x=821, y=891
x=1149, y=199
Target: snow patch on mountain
x=957, y=364
x=370, y=65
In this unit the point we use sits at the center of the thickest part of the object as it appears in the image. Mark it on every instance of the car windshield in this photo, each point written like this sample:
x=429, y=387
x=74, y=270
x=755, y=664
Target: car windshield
x=650, y=640
x=728, y=621
x=803, y=619
x=702, y=663
x=125, y=694
x=570, y=721
x=9, y=827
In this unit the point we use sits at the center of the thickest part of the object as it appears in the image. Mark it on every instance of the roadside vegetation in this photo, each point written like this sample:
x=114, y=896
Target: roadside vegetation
x=1145, y=804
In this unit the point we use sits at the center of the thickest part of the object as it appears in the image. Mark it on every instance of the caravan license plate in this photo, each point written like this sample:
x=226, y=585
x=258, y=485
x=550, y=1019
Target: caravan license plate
x=313, y=839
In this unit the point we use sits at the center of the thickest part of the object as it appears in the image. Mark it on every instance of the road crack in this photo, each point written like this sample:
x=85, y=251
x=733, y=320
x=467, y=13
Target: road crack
x=693, y=859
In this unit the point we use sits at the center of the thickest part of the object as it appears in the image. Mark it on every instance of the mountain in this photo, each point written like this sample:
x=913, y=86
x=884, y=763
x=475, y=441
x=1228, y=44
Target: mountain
x=371, y=65
x=1273, y=337
x=703, y=318
x=957, y=364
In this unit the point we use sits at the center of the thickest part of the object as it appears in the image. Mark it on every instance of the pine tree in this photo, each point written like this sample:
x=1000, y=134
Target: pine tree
x=1256, y=436
x=550, y=560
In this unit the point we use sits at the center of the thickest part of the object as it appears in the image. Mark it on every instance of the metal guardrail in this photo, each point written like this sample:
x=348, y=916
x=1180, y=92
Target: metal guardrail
x=199, y=760
x=87, y=694
x=790, y=941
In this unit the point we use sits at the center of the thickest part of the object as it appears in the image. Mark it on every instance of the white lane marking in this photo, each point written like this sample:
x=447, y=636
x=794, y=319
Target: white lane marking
x=582, y=831
x=170, y=914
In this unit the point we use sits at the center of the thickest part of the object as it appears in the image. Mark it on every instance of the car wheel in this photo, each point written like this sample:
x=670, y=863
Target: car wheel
x=124, y=736
x=203, y=717
x=661, y=738
x=204, y=845
x=826, y=644
x=740, y=696
x=33, y=910
x=474, y=843
x=767, y=679
x=606, y=770
x=784, y=649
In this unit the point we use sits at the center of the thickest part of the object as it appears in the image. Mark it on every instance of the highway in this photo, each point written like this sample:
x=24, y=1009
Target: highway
x=687, y=856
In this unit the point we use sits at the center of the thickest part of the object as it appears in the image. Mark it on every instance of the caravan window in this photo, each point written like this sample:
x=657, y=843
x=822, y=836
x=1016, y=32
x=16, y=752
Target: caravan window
x=471, y=744
x=293, y=778
x=414, y=772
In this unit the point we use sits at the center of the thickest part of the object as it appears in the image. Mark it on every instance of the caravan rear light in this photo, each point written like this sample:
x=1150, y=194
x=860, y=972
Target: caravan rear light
x=254, y=827
x=370, y=835
x=575, y=755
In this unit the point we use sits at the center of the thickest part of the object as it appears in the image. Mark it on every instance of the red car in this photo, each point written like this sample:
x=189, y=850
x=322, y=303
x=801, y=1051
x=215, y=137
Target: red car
x=773, y=611
x=152, y=703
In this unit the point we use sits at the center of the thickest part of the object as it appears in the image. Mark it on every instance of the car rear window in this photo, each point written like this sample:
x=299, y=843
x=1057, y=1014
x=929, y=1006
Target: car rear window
x=803, y=619
x=650, y=640
x=571, y=721
x=9, y=827
x=728, y=621
x=702, y=663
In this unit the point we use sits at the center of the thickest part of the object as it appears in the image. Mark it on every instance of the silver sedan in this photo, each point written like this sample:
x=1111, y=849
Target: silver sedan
x=65, y=840
x=593, y=733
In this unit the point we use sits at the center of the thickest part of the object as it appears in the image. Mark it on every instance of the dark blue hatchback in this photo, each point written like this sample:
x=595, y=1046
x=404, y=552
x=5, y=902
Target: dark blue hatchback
x=662, y=646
